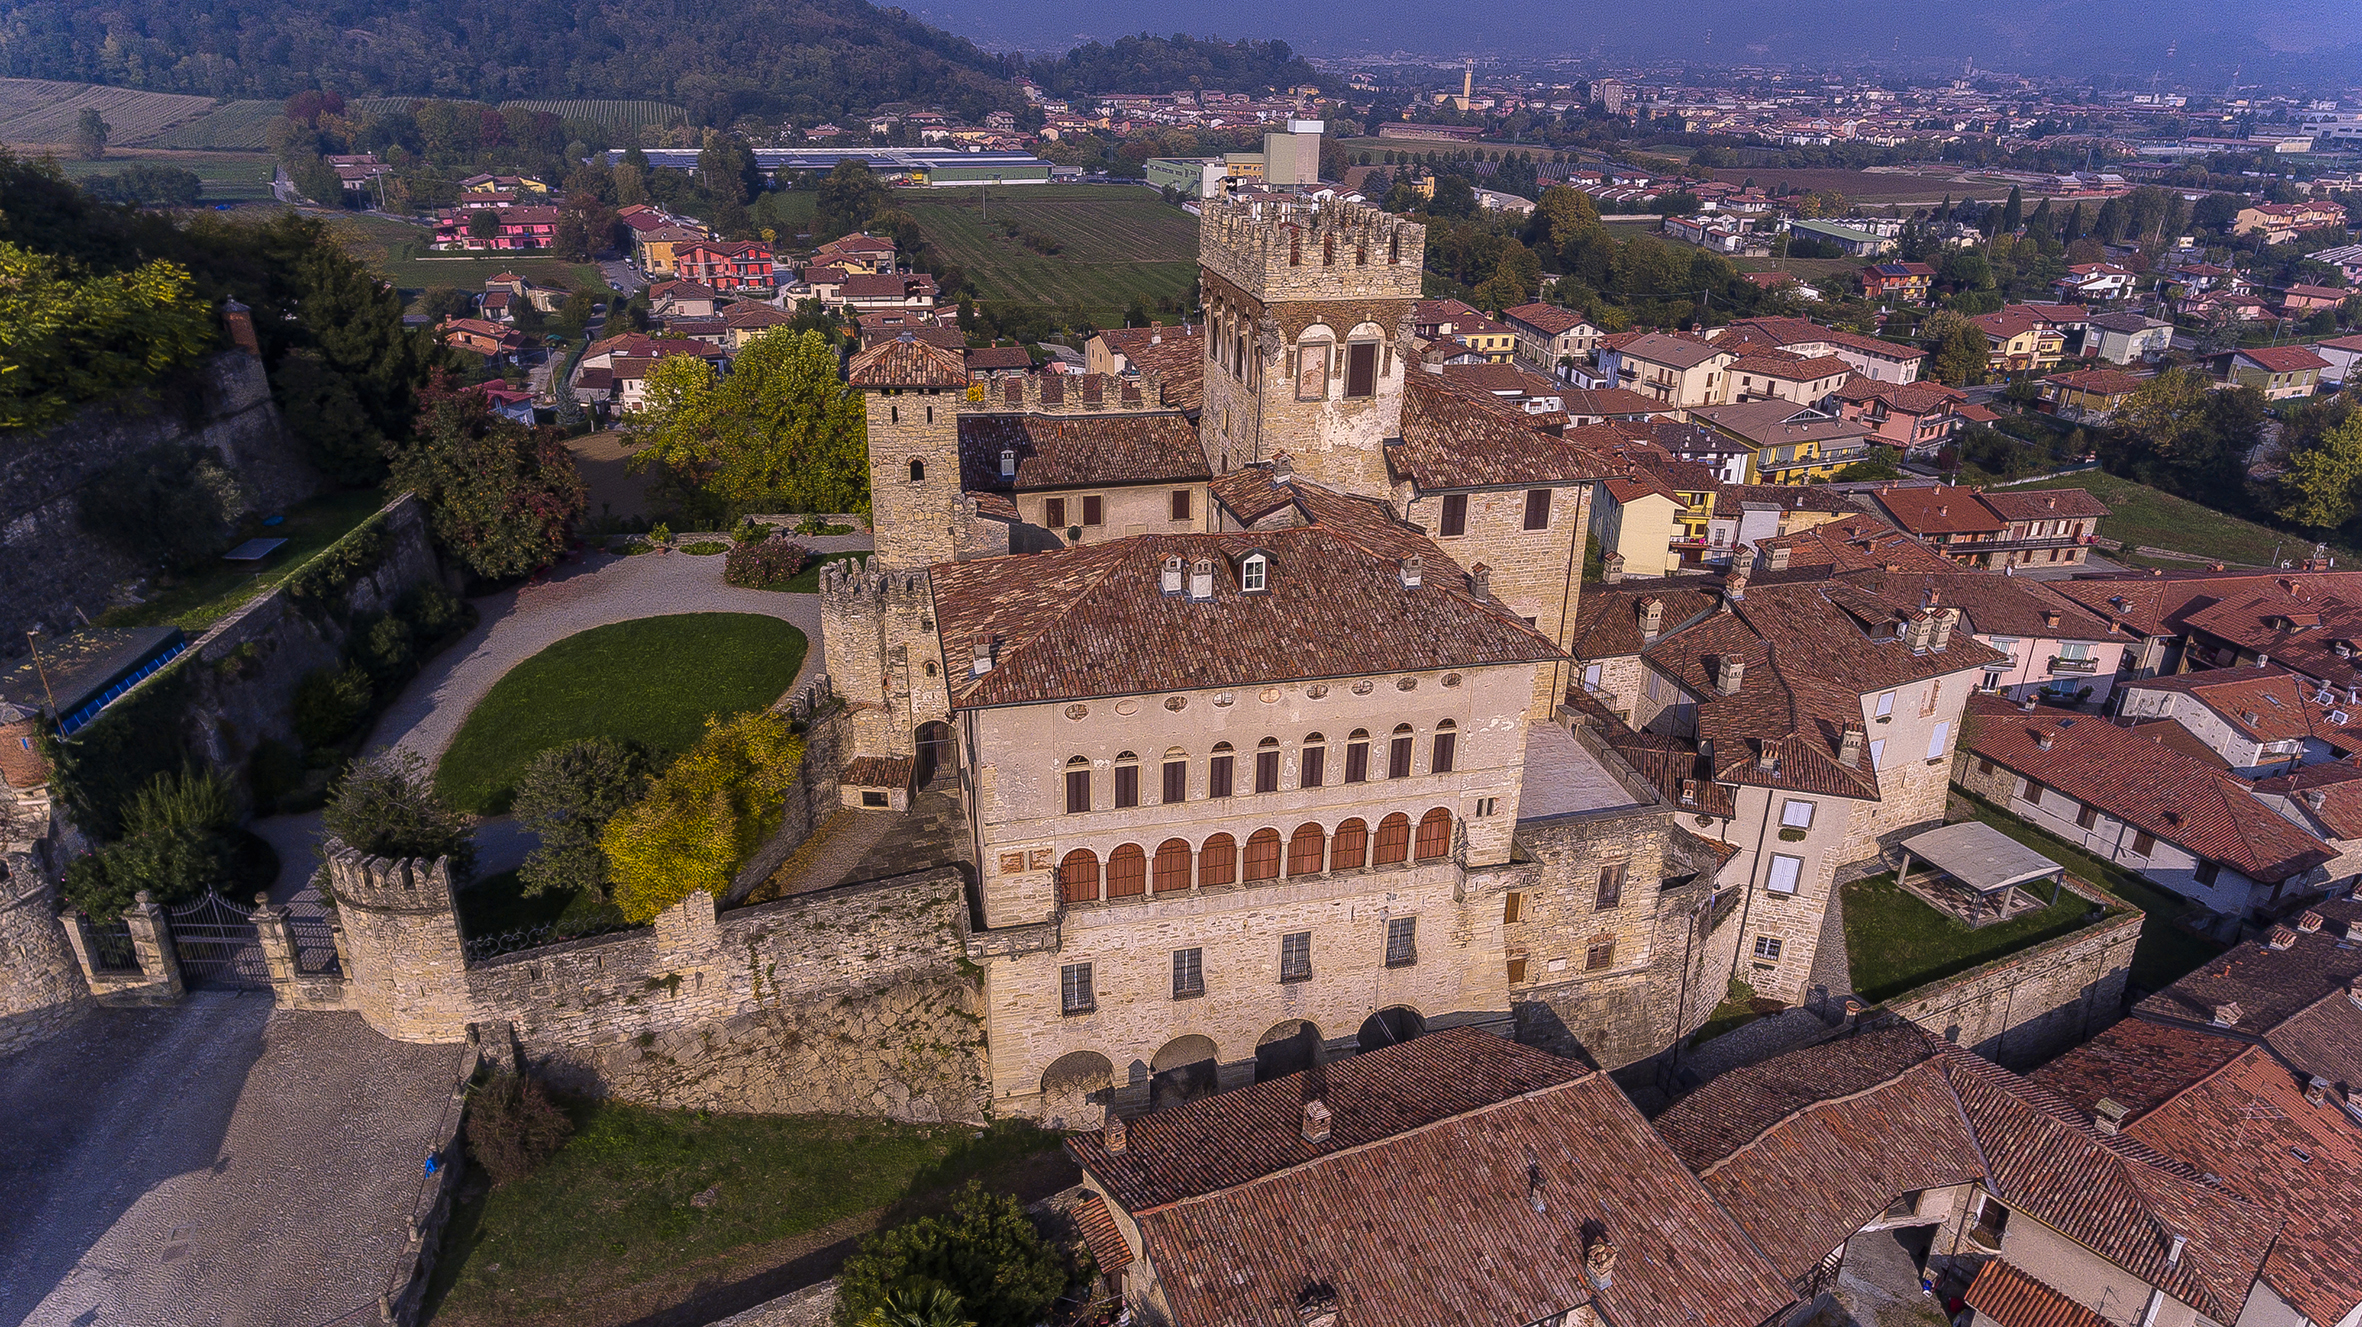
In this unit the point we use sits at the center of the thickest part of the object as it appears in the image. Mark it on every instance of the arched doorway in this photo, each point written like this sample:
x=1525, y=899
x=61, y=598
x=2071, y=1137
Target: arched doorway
x=1389, y=1027
x=1184, y=1070
x=935, y=751
x=1288, y=1048
x=1076, y=1089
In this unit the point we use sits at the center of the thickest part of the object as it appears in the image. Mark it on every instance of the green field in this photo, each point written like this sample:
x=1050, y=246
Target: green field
x=2141, y=515
x=233, y=126
x=398, y=251
x=1118, y=243
x=38, y=112
x=229, y=177
x=616, y=114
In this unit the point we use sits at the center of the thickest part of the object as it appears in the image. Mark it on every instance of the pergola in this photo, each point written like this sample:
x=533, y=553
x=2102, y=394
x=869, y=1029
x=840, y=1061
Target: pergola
x=1983, y=861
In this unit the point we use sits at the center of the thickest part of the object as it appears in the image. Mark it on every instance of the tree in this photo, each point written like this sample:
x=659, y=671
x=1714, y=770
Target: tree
x=2013, y=212
x=1960, y=349
x=849, y=197
x=2323, y=485
x=69, y=335
x=781, y=432
x=985, y=1251
x=386, y=806
x=90, y=135
x=483, y=224
x=500, y=495
x=567, y=795
x=702, y=816
x=178, y=842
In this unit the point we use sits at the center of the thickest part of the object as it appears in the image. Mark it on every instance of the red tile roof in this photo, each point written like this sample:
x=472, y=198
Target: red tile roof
x=1063, y=451
x=2283, y=359
x=2135, y=1063
x=1938, y=509
x=1102, y=1236
x=1548, y=319
x=2100, y=382
x=1456, y=436
x=2268, y=985
x=1856, y=543
x=2015, y=504
x=907, y=361
x=2012, y=1298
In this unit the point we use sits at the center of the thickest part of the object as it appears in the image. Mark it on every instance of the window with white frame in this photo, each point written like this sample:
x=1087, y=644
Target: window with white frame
x=1878, y=754
x=1795, y=814
x=1254, y=573
x=1784, y=874
x=1886, y=705
x=1937, y=738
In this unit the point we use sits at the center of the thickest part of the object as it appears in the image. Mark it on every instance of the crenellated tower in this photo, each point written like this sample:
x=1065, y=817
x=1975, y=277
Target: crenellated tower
x=883, y=656
x=1308, y=319
x=913, y=393
x=401, y=936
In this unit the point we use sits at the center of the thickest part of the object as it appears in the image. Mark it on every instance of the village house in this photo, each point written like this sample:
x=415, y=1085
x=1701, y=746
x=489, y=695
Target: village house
x=489, y=339
x=2261, y=721
x=1680, y=372
x=521, y=227
x=2278, y=223
x=1778, y=375
x=725, y=266
x=1549, y=335
x=2095, y=283
x=1880, y=361
x=2281, y=373
x=2017, y=342
x=1908, y=282
x=1994, y=530
x=1914, y=418
x=2088, y=396
x=2127, y=338
x=1789, y=443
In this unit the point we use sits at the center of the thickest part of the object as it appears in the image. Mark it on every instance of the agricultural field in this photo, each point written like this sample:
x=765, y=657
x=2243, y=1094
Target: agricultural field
x=1879, y=188
x=1114, y=243
x=398, y=251
x=228, y=177
x=233, y=126
x=36, y=112
x=622, y=115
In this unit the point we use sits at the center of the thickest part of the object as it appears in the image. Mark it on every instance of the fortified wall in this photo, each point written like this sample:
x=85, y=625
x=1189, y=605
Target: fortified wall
x=2026, y=1007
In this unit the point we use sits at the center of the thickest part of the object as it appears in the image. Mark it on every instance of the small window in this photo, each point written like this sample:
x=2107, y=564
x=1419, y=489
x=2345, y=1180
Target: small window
x=2143, y=843
x=1078, y=786
x=1537, y=509
x=1447, y=740
x=1094, y=511
x=1600, y=957
x=1402, y=941
x=1127, y=780
x=1398, y=753
x=1455, y=516
x=1796, y=815
x=1074, y=989
x=871, y=797
x=1785, y=872
x=1054, y=512
x=1886, y=705
x=1361, y=369
x=1254, y=573
x=1611, y=886
x=2209, y=872
x=2031, y=791
x=1189, y=973
x=1267, y=766
x=1767, y=948
x=1316, y=763
x=1181, y=505
x=1517, y=970
x=918, y=470
x=2087, y=818
x=1936, y=740
x=1295, y=956
x=1878, y=754
x=1176, y=789
x=1512, y=907
x=1219, y=770
x=1357, y=756
x=1985, y=767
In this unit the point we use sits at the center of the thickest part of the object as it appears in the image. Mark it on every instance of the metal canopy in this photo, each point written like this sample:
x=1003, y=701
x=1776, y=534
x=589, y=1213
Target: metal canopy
x=1979, y=856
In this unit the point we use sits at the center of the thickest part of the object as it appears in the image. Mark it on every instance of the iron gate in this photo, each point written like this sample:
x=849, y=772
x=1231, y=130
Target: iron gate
x=314, y=936
x=216, y=944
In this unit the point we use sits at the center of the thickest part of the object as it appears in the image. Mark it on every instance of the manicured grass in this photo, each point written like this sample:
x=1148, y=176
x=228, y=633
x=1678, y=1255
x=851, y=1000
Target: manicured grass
x=2166, y=952
x=653, y=680
x=226, y=177
x=807, y=581
x=1895, y=942
x=398, y=250
x=610, y=1215
x=1120, y=243
x=2139, y=514
x=197, y=601
x=1739, y=1006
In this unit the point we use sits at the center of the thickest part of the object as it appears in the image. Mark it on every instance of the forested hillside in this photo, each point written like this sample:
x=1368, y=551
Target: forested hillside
x=1164, y=64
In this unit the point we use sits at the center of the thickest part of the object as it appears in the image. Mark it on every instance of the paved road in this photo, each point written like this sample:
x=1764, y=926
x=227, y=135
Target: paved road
x=212, y=1163
x=620, y=276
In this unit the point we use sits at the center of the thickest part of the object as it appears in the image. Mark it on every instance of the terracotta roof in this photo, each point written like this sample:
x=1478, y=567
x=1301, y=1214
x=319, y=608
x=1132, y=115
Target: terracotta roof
x=1548, y=319
x=1092, y=620
x=998, y=359
x=1519, y=1177
x=1993, y=605
x=2012, y=1298
x=1791, y=368
x=2330, y=792
x=2102, y=382
x=1734, y=499
x=1607, y=617
x=1797, y=331
x=1502, y=379
x=1176, y=364
x=1860, y=542
x=2250, y=1127
x=2283, y=359
x=1938, y=509
x=878, y=771
x=907, y=361
x=748, y=315
x=2212, y=814
x=1250, y=493
x=1102, y=1236
x=2325, y=1038
x=887, y=285
x=1679, y=351
x=2024, y=504
x=2297, y=624
x=1063, y=451
x=2006, y=326
x=2137, y=1064
x=2268, y=704
x=1773, y=423
x=2057, y=315
x=1610, y=402
x=1458, y=437
x=2267, y=985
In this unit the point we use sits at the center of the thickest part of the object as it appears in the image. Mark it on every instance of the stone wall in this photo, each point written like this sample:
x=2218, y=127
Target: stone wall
x=2024, y=1008
x=49, y=567
x=41, y=985
x=815, y=797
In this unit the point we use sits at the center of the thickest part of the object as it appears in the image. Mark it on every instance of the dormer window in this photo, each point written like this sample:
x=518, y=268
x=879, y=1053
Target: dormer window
x=1254, y=573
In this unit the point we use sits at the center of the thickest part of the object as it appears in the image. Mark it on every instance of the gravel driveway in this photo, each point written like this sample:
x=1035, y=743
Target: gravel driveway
x=212, y=1163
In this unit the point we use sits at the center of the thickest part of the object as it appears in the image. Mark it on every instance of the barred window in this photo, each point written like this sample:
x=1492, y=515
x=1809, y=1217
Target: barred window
x=1189, y=973
x=1074, y=989
x=1768, y=947
x=1295, y=956
x=1402, y=941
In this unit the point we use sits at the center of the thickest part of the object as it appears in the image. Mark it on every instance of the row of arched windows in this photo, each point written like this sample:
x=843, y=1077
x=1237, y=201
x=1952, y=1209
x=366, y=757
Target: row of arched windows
x=1359, y=758
x=1311, y=850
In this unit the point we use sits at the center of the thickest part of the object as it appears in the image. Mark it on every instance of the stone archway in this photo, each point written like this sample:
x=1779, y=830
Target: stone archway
x=1186, y=1069
x=1289, y=1047
x=1391, y=1026
x=1076, y=1089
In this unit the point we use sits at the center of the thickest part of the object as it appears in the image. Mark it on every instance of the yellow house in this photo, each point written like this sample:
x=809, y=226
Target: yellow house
x=654, y=248
x=2015, y=342
x=2279, y=372
x=1634, y=516
x=1793, y=444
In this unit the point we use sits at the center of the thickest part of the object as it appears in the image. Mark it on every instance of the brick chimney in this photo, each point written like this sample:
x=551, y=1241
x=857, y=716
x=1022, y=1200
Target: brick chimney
x=240, y=320
x=1729, y=671
x=1734, y=581
x=1316, y=1121
x=1652, y=618
x=1849, y=746
x=2108, y=1116
x=1114, y=1135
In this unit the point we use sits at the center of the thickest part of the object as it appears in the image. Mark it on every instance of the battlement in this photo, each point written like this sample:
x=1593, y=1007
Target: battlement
x=1311, y=250
x=842, y=583
x=376, y=884
x=1062, y=394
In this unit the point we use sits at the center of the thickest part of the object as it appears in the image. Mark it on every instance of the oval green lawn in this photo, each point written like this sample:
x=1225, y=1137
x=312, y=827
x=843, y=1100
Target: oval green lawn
x=653, y=680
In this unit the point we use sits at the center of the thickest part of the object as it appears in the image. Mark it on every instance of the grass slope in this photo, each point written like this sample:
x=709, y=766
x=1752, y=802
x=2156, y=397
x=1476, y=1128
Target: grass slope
x=1895, y=942
x=227, y=177
x=1120, y=243
x=38, y=111
x=397, y=250
x=605, y=1231
x=653, y=680
x=197, y=601
x=2142, y=515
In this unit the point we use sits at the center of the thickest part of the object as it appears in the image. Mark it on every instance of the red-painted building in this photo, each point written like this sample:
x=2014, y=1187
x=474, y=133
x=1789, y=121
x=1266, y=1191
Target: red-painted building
x=725, y=265
x=526, y=227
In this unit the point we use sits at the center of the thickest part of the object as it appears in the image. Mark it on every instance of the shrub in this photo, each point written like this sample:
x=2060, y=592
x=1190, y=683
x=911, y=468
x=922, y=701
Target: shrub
x=329, y=702
x=273, y=771
x=752, y=531
x=985, y=1251
x=702, y=816
x=172, y=504
x=433, y=613
x=386, y=807
x=705, y=548
x=567, y=795
x=766, y=565
x=513, y=1126
x=179, y=841
x=382, y=649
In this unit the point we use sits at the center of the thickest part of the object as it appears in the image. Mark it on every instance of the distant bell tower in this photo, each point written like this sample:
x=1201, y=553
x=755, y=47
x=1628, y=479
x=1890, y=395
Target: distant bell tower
x=913, y=393
x=1308, y=335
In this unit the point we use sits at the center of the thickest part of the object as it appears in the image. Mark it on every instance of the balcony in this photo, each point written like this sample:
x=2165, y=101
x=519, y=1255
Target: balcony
x=2060, y=663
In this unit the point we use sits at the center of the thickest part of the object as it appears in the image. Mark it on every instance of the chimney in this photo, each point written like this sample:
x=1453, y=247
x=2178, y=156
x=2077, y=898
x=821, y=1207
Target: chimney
x=2309, y=922
x=2042, y=740
x=240, y=320
x=2173, y=1251
x=1413, y=567
x=1729, y=671
x=1283, y=470
x=1599, y=1260
x=1652, y=618
x=1734, y=581
x=1775, y=558
x=2281, y=938
x=1480, y=581
x=1849, y=746
x=1114, y=1135
x=1316, y=1121
x=2108, y=1116
x=981, y=662
x=1169, y=579
x=2227, y=1014
x=1317, y=1307
x=1917, y=631
x=1201, y=579
x=1941, y=637
x=1611, y=569
x=2316, y=1090
x=1928, y=600
x=2026, y=706
x=1008, y=463
x=1767, y=759
x=2354, y=994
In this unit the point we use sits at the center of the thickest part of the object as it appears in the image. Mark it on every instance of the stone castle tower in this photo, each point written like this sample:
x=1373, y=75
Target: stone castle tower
x=883, y=659
x=1308, y=321
x=400, y=924
x=913, y=393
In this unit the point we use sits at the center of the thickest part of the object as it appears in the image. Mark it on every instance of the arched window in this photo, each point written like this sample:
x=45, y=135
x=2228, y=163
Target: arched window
x=1127, y=779
x=1267, y=765
x=893, y=414
x=1217, y=862
x=1127, y=872
x=1078, y=877
x=1221, y=771
x=1254, y=573
x=1350, y=848
x=1175, y=777
x=1394, y=840
x=1078, y=785
x=918, y=469
x=1307, y=850
x=1315, y=765
x=1263, y=855
x=1435, y=837
x=1357, y=756
x=1172, y=866
x=1447, y=747
x=1398, y=753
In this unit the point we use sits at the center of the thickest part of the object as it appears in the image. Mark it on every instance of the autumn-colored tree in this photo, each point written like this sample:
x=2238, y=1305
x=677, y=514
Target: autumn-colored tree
x=780, y=433
x=499, y=495
x=702, y=816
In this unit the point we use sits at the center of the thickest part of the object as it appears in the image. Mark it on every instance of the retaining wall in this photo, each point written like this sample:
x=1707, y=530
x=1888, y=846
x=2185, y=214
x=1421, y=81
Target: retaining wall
x=2024, y=1008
